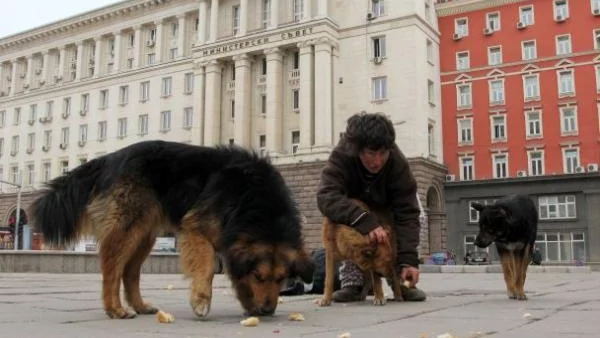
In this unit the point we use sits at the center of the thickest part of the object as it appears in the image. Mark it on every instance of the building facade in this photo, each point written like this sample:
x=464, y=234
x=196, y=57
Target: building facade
x=520, y=82
x=280, y=77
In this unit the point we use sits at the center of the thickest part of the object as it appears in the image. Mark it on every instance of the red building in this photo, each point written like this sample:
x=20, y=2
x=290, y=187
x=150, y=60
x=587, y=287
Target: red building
x=520, y=92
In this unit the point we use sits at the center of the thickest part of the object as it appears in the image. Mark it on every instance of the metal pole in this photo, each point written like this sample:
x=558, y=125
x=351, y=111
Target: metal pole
x=18, y=218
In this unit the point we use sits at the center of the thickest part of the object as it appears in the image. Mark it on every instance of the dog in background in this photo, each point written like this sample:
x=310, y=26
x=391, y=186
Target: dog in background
x=511, y=223
x=224, y=200
x=341, y=242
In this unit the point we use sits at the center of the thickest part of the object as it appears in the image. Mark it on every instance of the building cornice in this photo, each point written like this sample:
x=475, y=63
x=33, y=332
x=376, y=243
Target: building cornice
x=464, y=6
x=120, y=9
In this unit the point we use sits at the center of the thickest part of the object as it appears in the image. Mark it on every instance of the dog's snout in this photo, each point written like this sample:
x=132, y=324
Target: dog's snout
x=268, y=308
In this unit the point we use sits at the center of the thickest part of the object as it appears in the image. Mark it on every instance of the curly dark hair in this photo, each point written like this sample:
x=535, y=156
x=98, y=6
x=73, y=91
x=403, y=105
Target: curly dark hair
x=369, y=131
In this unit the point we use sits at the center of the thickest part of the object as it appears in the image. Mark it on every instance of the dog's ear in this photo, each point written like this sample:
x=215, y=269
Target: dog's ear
x=302, y=267
x=477, y=206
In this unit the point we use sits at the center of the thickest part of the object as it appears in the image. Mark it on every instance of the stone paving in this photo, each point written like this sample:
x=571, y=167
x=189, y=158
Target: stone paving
x=458, y=305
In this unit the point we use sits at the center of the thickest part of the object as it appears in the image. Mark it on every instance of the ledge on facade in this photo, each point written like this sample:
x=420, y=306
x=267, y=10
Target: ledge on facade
x=519, y=180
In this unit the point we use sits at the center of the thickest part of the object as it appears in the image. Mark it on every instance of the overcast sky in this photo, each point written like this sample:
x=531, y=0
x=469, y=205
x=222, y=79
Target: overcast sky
x=21, y=15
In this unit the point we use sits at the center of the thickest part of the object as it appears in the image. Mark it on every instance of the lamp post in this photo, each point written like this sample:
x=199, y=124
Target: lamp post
x=18, y=216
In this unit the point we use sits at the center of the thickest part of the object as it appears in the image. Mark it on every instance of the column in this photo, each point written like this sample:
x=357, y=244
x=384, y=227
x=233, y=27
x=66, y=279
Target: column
x=28, y=73
x=2, y=76
x=79, y=67
x=306, y=95
x=274, y=20
x=137, y=44
x=243, y=100
x=117, y=52
x=45, y=67
x=199, y=84
x=243, y=17
x=97, y=56
x=212, y=115
x=13, y=77
x=274, y=118
x=214, y=20
x=323, y=92
x=322, y=9
x=158, y=50
x=180, y=36
x=307, y=10
x=202, y=16
x=61, y=62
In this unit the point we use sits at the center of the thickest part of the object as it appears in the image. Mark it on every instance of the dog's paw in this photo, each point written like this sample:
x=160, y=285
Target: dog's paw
x=324, y=301
x=147, y=309
x=120, y=313
x=521, y=297
x=379, y=301
x=201, y=306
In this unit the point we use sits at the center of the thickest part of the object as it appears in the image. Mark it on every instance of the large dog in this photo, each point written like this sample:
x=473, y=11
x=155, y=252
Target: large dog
x=375, y=260
x=511, y=223
x=223, y=200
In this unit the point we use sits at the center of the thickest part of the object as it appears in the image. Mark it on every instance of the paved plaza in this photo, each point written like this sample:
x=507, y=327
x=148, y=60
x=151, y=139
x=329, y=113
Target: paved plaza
x=459, y=304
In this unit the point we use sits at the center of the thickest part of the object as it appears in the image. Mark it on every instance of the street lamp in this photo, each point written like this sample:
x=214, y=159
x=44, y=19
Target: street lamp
x=18, y=217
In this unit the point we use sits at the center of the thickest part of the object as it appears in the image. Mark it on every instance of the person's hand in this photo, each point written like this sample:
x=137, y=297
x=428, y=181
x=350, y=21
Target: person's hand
x=379, y=236
x=410, y=274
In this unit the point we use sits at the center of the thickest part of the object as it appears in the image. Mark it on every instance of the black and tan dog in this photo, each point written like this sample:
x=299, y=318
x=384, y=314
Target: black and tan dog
x=511, y=223
x=342, y=242
x=225, y=199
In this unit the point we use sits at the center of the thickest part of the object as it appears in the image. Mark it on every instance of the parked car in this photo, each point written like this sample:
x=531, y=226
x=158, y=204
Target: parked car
x=442, y=258
x=477, y=258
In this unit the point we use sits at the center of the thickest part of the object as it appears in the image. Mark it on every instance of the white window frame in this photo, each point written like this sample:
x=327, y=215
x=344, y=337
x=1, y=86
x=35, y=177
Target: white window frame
x=461, y=26
x=165, y=121
x=266, y=13
x=523, y=18
x=64, y=136
x=298, y=10
x=496, y=91
x=15, y=144
x=570, y=159
x=465, y=130
x=502, y=128
x=48, y=138
x=235, y=19
x=295, y=144
x=535, y=124
x=568, y=125
x=379, y=88
x=262, y=144
x=46, y=171
x=564, y=44
x=467, y=168
x=144, y=91
x=464, y=100
x=500, y=165
x=85, y=103
x=188, y=117
x=492, y=21
x=536, y=88
x=378, y=46
x=102, y=131
x=188, y=83
x=535, y=166
x=463, y=60
x=529, y=52
x=166, y=88
x=30, y=142
x=143, y=124
x=377, y=8
x=564, y=11
x=595, y=4
x=550, y=207
x=83, y=133
x=103, y=99
x=597, y=78
x=122, y=128
x=566, y=82
x=123, y=95
x=494, y=55
x=296, y=100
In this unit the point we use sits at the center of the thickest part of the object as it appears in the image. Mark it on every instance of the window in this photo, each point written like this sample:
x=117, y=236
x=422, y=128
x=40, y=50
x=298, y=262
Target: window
x=29, y=174
x=143, y=124
x=295, y=141
x=123, y=95
x=33, y=113
x=188, y=117
x=85, y=102
x=235, y=19
x=102, y=130
x=166, y=86
x=17, y=116
x=379, y=88
x=49, y=106
x=165, y=120
x=461, y=27
x=532, y=87
x=122, y=128
x=462, y=61
x=262, y=144
x=296, y=100
x=14, y=148
x=64, y=137
x=474, y=214
x=465, y=131
x=497, y=92
x=379, y=47
x=466, y=169
x=14, y=174
x=534, y=124
x=597, y=38
x=430, y=53
x=568, y=247
x=464, y=95
x=145, y=91
x=568, y=120
x=297, y=10
x=232, y=109
x=598, y=78
x=103, y=99
x=570, y=160
x=529, y=50
x=595, y=5
x=430, y=92
x=565, y=83
x=557, y=207
x=263, y=68
x=377, y=8
x=173, y=53
x=83, y=131
x=493, y=21
x=2, y=118
x=46, y=171
x=526, y=15
x=266, y=13
x=494, y=56
x=263, y=105
x=64, y=167
x=536, y=162
x=30, y=142
x=499, y=128
x=188, y=83
x=431, y=139
x=500, y=166
x=47, y=138
x=296, y=63
x=563, y=44
x=561, y=10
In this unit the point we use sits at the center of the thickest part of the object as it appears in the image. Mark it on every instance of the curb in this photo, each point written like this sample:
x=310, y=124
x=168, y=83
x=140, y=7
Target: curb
x=497, y=268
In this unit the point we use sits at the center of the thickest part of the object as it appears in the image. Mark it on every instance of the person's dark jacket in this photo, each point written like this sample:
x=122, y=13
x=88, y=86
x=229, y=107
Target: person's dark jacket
x=394, y=188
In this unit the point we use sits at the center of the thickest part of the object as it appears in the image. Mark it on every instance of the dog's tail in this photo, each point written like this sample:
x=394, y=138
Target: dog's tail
x=57, y=214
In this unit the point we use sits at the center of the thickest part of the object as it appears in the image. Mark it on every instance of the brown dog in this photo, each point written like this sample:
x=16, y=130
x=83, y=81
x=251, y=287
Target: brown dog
x=342, y=242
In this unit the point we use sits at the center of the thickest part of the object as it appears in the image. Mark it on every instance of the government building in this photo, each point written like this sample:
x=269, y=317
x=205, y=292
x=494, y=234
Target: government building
x=280, y=77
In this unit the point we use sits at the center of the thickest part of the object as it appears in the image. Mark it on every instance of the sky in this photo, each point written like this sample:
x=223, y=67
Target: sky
x=20, y=15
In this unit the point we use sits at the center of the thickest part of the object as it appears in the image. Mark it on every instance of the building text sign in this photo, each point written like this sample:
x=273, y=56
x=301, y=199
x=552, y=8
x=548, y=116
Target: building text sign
x=258, y=41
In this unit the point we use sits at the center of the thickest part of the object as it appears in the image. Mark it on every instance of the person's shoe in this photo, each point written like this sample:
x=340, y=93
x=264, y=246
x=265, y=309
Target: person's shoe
x=348, y=294
x=413, y=294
